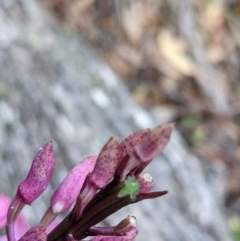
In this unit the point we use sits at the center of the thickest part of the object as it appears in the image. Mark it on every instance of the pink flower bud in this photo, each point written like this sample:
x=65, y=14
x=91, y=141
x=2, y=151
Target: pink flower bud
x=151, y=146
x=37, y=233
x=69, y=189
x=153, y=143
x=106, y=164
x=39, y=175
x=127, y=158
x=127, y=145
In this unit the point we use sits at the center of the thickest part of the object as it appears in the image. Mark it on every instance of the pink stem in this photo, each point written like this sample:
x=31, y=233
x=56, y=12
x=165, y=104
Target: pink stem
x=13, y=211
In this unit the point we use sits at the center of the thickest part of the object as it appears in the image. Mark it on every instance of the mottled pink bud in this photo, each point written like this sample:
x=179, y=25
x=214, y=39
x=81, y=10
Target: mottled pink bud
x=37, y=233
x=39, y=175
x=67, y=192
x=153, y=143
x=101, y=175
x=106, y=164
x=146, y=182
x=4, y=204
x=127, y=158
x=127, y=145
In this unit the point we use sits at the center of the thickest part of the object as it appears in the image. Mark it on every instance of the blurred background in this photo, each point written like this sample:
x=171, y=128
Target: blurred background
x=180, y=60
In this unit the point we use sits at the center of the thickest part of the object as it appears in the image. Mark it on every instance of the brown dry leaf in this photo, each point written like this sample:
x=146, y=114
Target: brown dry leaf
x=173, y=50
x=212, y=13
x=132, y=21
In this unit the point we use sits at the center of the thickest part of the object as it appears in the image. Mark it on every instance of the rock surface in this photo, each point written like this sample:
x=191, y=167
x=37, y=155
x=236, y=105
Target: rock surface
x=53, y=87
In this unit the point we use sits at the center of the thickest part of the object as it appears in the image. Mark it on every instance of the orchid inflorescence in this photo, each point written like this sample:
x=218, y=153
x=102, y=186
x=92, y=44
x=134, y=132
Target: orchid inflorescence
x=97, y=186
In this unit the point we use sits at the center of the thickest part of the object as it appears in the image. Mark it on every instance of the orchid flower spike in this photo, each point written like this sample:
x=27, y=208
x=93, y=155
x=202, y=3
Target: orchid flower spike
x=96, y=187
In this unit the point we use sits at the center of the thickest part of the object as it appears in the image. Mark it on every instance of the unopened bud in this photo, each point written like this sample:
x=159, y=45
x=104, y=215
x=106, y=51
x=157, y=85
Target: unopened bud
x=153, y=143
x=106, y=164
x=39, y=175
x=37, y=233
x=128, y=161
x=67, y=192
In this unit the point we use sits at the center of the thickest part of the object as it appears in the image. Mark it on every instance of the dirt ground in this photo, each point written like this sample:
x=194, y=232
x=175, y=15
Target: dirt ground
x=179, y=59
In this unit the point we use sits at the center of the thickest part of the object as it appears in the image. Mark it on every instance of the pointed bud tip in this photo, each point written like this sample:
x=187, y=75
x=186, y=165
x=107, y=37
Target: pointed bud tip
x=48, y=147
x=165, y=129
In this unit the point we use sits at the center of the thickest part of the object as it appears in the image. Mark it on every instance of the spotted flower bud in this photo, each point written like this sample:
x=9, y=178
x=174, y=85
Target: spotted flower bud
x=152, y=145
x=39, y=175
x=101, y=175
x=128, y=161
x=37, y=233
x=153, y=142
x=106, y=164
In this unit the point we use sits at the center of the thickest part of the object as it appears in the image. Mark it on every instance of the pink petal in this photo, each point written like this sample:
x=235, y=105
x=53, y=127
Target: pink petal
x=4, y=204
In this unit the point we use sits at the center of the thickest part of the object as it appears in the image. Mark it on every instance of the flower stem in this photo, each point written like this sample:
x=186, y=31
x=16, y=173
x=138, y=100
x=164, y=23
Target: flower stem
x=13, y=211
